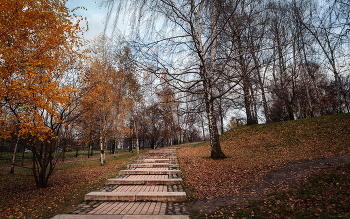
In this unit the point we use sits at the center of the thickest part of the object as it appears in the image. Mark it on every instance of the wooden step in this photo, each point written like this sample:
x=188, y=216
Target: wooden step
x=118, y=181
x=136, y=196
x=163, y=160
x=145, y=165
x=105, y=216
x=145, y=171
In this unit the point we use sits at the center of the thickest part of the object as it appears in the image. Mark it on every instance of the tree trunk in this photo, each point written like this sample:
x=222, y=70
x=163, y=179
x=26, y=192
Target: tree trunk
x=89, y=149
x=23, y=151
x=221, y=117
x=64, y=149
x=115, y=146
x=76, y=150
x=92, y=148
x=216, y=152
x=56, y=148
x=247, y=103
x=14, y=157
x=42, y=165
x=203, y=130
x=104, y=154
x=110, y=148
x=309, y=101
x=137, y=137
x=246, y=84
x=152, y=143
x=180, y=139
x=266, y=109
x=290, y=111
x=253, y=104
x=299, y=109
x=261, y=84
x=102, y=151
x=130, y=145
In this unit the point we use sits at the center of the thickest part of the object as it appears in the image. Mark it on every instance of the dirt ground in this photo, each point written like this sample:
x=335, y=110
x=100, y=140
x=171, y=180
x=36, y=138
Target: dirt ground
x=282, y=179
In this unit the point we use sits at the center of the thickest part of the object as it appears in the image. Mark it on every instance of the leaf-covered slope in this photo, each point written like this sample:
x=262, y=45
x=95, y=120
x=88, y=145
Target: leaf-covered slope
x=255, y=150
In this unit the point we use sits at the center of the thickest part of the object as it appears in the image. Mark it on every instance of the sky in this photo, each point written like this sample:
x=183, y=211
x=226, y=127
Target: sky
x=95, y=16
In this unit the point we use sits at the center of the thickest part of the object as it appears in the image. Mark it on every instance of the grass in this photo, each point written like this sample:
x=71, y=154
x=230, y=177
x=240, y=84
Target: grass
x=254, y=151
x=71, y=181
x=6, y=157
x=325, y=195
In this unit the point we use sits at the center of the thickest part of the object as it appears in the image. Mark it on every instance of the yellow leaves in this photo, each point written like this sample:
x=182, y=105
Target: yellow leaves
x=35, y=45
x=107, y=99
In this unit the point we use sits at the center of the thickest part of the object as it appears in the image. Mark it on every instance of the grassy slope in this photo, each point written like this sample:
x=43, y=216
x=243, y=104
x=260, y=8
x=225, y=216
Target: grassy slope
x=325, y=195
x=254, y=151
x=20, y=199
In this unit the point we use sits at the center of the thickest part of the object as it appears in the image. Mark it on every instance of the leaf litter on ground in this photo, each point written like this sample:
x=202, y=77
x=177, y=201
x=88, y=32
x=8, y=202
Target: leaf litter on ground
x=20, y=198
x=254, y=151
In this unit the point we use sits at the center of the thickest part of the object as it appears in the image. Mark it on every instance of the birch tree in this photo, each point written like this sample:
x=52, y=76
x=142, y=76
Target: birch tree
x=329, y=26
x=189, y=35
x=108, y=93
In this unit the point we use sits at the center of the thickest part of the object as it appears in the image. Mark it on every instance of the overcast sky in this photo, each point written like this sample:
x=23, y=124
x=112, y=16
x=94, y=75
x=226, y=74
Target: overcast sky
x=95, y=16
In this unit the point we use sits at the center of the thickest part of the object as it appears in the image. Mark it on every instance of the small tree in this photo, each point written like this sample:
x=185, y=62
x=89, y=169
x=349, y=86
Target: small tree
x=37, y=40
x=108, y=93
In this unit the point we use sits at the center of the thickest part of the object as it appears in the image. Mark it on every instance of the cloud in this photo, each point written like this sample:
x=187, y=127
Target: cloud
x=93, y=13
x=96, y=26
x=95, y=16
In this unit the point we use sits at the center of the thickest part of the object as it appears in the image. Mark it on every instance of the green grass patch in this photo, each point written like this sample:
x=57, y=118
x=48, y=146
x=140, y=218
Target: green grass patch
x=200, y=144
x=26, y=158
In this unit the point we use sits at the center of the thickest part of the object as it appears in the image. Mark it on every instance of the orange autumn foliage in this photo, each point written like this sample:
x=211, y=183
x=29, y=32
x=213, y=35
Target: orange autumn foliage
x=107, y=94
x=38, y=39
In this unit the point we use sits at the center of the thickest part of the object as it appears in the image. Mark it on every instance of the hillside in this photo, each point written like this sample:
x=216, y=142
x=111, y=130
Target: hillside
x=254, y=151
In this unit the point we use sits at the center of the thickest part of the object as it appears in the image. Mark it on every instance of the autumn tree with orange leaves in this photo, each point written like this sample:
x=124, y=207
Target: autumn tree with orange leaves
x=38, y=40
x=109, y=90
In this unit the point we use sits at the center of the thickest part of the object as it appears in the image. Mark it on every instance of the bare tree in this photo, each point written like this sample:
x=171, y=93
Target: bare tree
x=192, y=32
x=329, y=30
x=216, y=50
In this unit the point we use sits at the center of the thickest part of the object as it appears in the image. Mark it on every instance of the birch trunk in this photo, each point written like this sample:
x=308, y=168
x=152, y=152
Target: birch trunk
x=216, y=152
x=203, y=130
x=261, y=85
x=102, y=151
x=206, y=77
x=137, y=138
x=14, y=157
x=309, y=101
x=221, y=117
